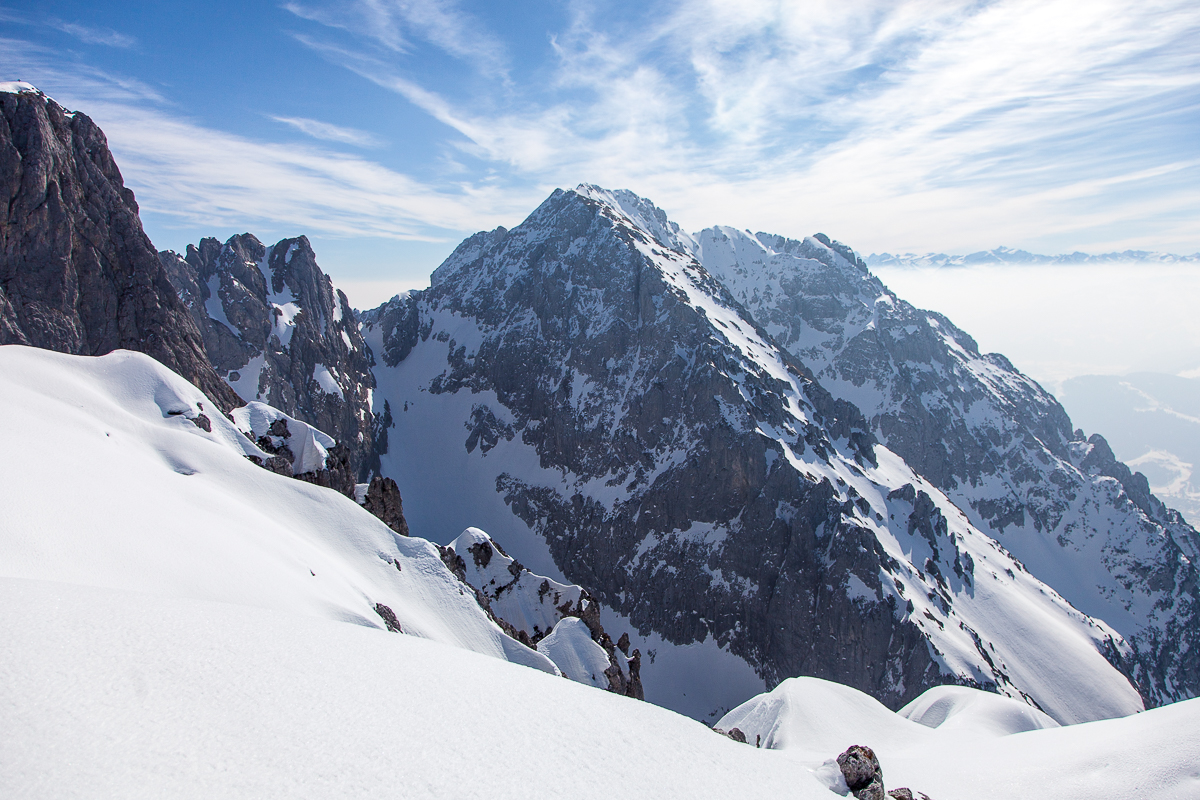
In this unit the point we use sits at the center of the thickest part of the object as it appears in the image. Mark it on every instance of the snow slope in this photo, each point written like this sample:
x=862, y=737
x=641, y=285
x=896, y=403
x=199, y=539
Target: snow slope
x=979, y=745
x=116, y=694
x=109, y=482
x=106, y=693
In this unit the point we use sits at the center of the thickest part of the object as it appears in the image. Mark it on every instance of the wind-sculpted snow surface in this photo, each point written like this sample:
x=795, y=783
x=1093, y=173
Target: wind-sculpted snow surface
x=278, y=331
x=113, y=479
x=999, y=445
x=971, y=744
x=123, y=694
x=599, y=402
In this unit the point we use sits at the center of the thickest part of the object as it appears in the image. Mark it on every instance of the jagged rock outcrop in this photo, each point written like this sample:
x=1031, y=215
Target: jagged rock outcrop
x=294, y=448
x=278, y=331
x=531, y=608
x=382, y=498
x=77, y=272
x=642, y=428
x=999, y=445
x=864, y=776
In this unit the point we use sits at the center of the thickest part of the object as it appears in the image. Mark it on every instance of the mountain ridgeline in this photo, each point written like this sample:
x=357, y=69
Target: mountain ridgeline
x=742, y=447
x=279, y=332
x=77, y=272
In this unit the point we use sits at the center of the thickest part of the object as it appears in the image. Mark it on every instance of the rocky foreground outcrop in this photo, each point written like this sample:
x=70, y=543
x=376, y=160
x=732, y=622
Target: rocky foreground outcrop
x=77, y=272
x=536, y=610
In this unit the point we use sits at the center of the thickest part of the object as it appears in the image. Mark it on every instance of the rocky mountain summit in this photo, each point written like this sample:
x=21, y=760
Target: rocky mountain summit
x=649, y=440
x=277, y=331
x=77, y=272
x=1000, y=446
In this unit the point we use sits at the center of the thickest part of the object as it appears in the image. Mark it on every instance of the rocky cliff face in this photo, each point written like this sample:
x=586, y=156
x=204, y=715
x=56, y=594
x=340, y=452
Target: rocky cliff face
x=632, y=422
x=77, y=273
x=277, y=331
x=1000, y=446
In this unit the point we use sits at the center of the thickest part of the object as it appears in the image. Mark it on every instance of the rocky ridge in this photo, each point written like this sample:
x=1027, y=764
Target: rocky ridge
x=1000, y=446
x=77, y=272
x=277, y=331
x=531, y=608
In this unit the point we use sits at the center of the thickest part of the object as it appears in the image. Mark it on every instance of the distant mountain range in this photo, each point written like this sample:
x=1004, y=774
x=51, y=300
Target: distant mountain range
x=1007, y=255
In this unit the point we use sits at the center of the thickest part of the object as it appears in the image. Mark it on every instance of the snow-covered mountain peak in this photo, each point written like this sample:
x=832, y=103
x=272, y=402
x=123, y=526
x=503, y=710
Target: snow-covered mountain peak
x=643, y=214
x=279, y=332
x=19, y=87
x=612, y=412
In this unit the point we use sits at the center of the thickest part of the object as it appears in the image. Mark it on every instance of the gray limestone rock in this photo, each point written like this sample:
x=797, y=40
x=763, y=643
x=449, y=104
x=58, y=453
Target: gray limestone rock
x=384, y=501
x=862, y=772
x=278, y=331
x=77, y=272
x=389, y=618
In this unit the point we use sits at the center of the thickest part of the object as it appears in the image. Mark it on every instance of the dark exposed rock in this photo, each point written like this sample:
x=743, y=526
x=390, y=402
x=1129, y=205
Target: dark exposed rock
x=389, y=618
x=634, y=687
x=337, y=474
x=862, y=772
x=279, y=331
x=384, y=501
x=733, y=733
x=202, y=422
x=77, y=272
x=623, y=643
x=528, y=606
x=904, y=793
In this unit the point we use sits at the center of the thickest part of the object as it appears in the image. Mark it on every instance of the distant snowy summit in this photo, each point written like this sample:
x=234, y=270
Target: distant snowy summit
x=1007, y=255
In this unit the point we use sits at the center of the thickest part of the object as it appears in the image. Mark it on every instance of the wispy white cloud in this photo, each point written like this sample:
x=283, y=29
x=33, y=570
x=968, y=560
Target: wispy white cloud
x=91, y=35
x=901, y=125
x=331, y=133
x=395, y=23
x=893, y=123
x=203, y=176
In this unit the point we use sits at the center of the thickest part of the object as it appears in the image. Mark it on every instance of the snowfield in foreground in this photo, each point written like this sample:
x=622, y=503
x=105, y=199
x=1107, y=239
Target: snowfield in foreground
x=109, y=482
x=106, y=693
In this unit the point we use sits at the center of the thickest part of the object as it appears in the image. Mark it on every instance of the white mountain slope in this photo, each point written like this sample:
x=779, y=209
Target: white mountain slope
x=954, y=742
x=106, y=693
x=109, y=482
x=990, y=437
x=605, y=409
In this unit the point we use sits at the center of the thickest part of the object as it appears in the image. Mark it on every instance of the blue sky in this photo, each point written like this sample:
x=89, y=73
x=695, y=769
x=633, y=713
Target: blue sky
x=386, y=130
